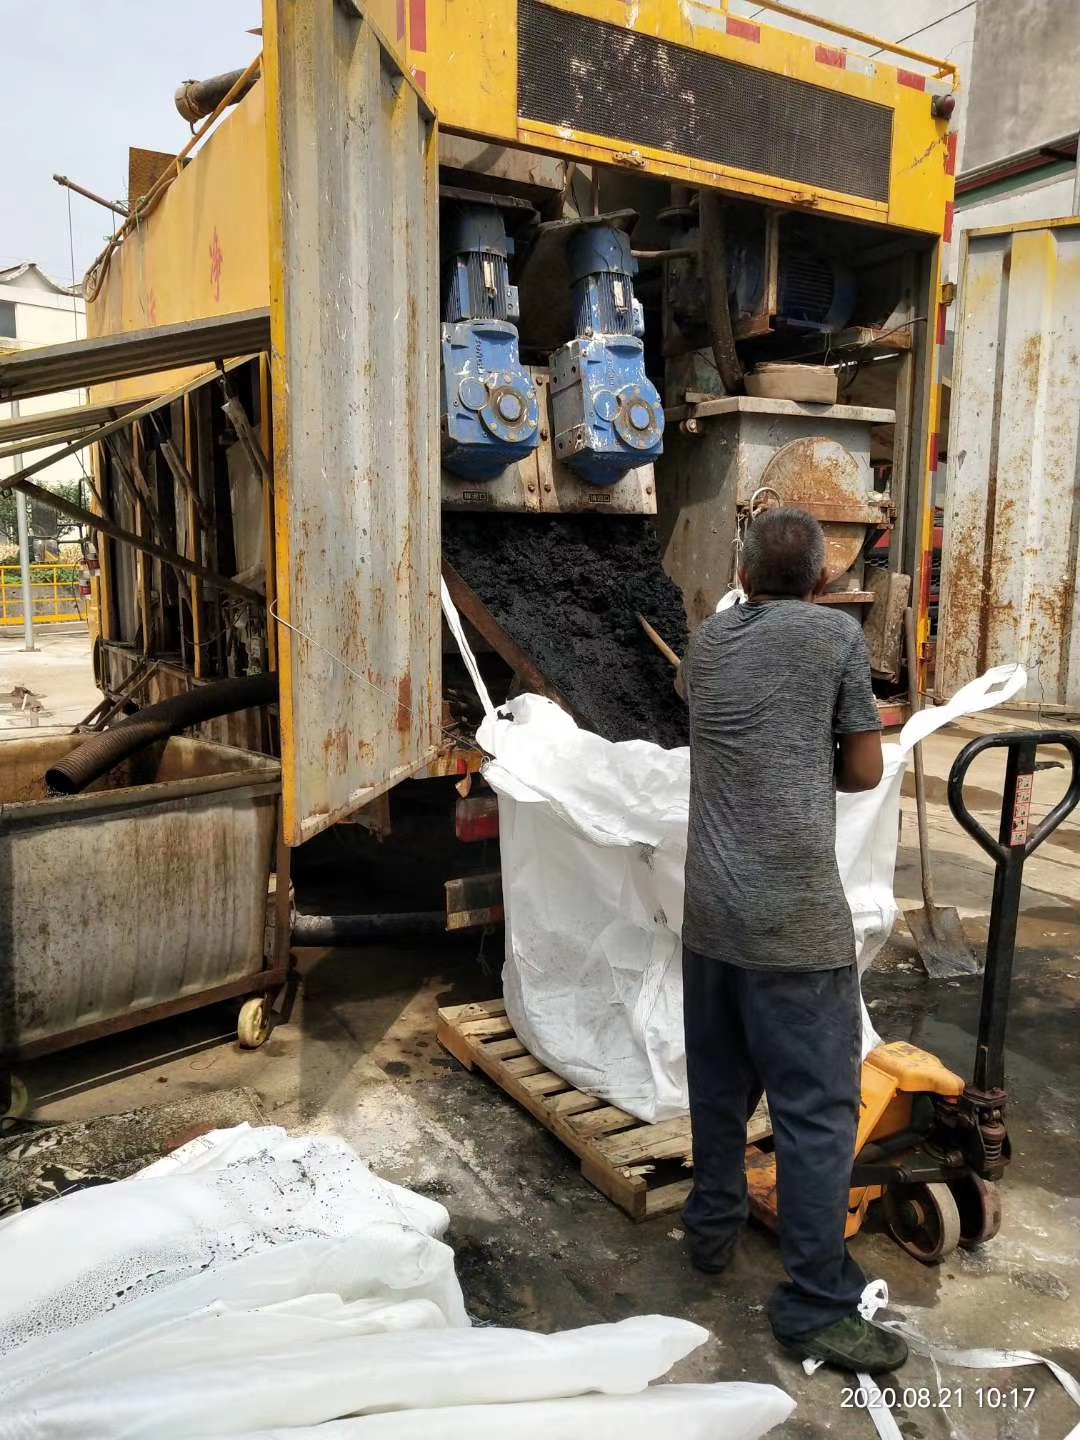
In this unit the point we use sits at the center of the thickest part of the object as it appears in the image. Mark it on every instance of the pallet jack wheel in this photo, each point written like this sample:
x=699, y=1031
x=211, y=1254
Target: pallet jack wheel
x=979, y=1204
x=254, y=1023
x=924, y=1220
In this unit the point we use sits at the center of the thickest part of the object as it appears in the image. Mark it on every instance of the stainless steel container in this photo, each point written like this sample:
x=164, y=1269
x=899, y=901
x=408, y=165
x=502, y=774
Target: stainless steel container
x=141, y=897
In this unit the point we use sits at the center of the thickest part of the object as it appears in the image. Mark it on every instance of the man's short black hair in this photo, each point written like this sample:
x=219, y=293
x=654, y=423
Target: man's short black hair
x=783, y=553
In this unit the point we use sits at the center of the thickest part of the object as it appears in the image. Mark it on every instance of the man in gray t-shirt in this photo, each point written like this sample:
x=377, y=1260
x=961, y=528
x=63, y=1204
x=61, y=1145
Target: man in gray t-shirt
x=781, y=716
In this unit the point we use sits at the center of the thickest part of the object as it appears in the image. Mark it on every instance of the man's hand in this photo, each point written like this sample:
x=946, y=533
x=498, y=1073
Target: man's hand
x=859, y=762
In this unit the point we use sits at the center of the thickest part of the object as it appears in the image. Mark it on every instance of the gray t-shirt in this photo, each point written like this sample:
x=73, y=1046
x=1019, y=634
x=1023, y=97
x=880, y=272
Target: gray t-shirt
x=770, y=684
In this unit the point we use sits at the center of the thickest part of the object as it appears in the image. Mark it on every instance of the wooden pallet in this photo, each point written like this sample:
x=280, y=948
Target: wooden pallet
x=641, y=1167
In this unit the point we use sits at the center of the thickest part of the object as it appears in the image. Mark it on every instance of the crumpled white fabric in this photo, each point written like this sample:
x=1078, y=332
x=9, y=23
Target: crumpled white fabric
x=593, y=844
x=734, y=1410
x=254, y=1283
x=198, y=1218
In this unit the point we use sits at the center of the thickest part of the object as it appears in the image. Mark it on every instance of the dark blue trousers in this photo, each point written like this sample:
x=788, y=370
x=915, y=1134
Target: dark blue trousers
x=795, y=1035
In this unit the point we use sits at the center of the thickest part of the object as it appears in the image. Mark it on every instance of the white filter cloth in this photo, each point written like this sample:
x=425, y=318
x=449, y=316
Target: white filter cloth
x=257, y=1284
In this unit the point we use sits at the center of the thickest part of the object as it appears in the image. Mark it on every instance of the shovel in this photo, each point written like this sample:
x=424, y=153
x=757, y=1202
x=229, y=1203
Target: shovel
x=936, y=930
x=659, y=641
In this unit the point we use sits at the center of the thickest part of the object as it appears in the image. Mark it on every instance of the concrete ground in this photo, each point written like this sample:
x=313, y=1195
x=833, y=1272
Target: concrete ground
x=59, y=674
x=538, y=1247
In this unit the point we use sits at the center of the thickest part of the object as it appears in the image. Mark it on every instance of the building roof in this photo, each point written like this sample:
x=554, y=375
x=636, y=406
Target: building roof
x=30, y=271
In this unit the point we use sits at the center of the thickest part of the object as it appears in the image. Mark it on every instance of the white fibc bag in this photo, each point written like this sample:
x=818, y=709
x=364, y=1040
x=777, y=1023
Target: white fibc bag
x=593, y=841
x=260, y=1285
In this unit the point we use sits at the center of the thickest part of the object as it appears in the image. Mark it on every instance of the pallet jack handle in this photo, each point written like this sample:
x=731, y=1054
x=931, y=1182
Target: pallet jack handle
x=1014, y=843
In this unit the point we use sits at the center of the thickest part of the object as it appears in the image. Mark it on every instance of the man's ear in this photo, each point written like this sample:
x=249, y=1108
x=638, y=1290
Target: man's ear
x=822, y=581
x=744, y=580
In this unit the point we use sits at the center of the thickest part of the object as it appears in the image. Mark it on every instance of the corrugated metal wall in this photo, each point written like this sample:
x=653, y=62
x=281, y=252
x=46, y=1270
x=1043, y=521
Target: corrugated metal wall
x=1012, y=503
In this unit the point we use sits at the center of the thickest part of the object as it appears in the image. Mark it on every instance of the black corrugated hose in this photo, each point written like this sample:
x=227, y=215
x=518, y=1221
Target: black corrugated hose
x=101, y=752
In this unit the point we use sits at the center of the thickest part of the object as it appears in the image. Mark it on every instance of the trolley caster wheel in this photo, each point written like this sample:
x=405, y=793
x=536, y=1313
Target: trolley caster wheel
x=14, y=1098
x=923, y=1220
x=979, y=1204
x=254, y=1023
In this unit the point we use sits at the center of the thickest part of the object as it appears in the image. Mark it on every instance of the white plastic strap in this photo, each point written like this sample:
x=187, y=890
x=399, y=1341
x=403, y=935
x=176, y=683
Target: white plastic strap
x=876, y=1296
x=453, y=619
x=995, y=687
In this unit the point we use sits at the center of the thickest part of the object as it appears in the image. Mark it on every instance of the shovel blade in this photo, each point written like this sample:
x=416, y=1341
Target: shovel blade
x=940, y=943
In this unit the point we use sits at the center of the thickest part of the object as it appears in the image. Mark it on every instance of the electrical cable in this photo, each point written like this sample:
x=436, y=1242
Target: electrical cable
x=933, y=24
x=812, y=19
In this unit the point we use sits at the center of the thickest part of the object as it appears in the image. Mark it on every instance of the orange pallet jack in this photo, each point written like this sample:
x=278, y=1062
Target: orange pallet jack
x=930, y=1146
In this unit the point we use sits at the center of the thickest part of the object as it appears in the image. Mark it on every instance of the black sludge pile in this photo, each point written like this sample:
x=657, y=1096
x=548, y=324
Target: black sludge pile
x=568, y=590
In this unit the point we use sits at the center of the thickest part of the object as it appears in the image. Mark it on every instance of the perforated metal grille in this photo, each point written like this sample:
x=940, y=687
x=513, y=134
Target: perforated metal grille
x=609, y=81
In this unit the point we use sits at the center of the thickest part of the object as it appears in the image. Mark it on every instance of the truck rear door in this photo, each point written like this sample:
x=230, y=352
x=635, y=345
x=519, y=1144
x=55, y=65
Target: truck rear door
x=354, y=315
x=1012, y=505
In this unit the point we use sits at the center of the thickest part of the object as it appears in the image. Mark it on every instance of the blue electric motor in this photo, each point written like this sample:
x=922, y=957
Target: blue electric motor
x=490, y=416
x=606, y=414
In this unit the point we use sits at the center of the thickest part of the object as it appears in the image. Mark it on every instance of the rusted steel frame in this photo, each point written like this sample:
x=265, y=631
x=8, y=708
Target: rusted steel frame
x=714, y=275
x=478, y=615
x=257, y=982
x=41, y=442
x=125, y=473
x=113, y=205
x=854, y=512
x=109, y=704
x=129, y=460
x=138, y=542
x=269, y=519
x=59, y=425
x=238, y=784
x=194, y=543
x=180, y=473
x=102, y=432
x=245, y=433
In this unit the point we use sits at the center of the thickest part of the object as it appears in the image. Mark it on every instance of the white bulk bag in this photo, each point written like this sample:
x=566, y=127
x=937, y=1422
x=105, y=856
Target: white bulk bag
x=593, y=841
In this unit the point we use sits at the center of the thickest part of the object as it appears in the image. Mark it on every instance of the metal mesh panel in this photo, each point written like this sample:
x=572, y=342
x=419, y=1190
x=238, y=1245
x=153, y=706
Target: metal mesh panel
x=610, y=81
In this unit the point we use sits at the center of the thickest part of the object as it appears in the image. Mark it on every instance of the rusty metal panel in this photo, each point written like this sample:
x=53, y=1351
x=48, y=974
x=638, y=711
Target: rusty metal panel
x=884, y=623
x=147, y=888
x=145, y=168
x=1012, y=504
x=354, y=310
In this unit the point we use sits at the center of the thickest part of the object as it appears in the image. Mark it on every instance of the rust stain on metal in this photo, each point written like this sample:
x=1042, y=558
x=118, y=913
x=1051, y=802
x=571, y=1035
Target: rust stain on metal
x=336, y=749
x=403, y=718
x=1028, y=360
x=818, y=474
x=966, y=578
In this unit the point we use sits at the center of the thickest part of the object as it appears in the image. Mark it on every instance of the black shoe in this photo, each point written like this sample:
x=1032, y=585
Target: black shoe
x=711, y=1259
x=851, y=1344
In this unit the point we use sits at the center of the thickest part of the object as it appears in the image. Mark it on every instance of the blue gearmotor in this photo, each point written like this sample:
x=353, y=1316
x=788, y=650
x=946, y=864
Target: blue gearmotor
x=606, y=414
x=490, y=416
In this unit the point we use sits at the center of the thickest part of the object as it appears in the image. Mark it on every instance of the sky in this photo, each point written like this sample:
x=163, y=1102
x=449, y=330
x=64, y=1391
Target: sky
x=83, y=80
